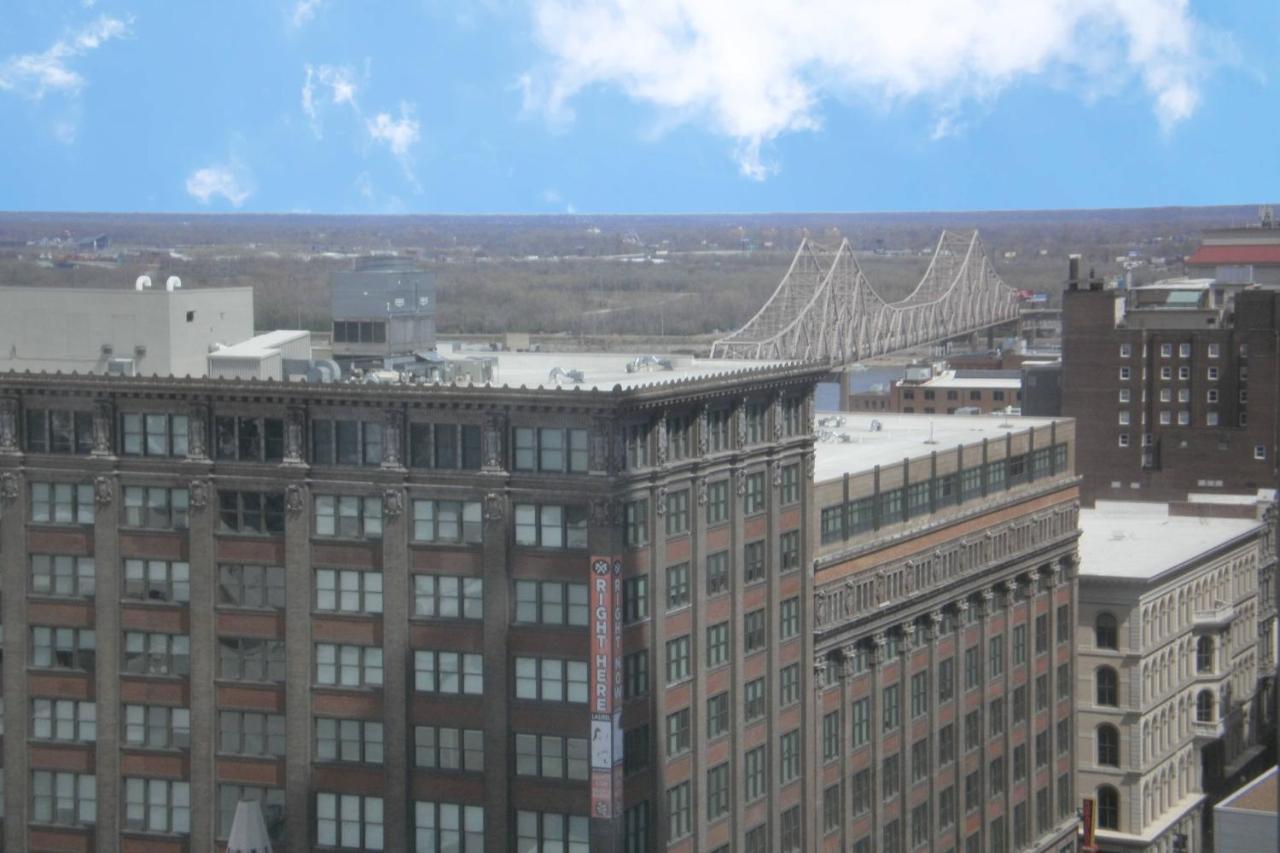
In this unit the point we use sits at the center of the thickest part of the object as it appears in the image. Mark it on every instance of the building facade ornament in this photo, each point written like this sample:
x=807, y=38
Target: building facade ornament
x=604, y=512
x=9, y=425
x=740, y=483
x=103, y=490
x=198, y=495
x=392, y=502
x=598, y=446
x=663, y=441
x=8, y=487
x=740, y=420
x=104, y=416
x=295, y=430
x=392, y=438
x=660, y=500
x=293, y=501
x=704, y=438
x=491, y=434
x=494, y=507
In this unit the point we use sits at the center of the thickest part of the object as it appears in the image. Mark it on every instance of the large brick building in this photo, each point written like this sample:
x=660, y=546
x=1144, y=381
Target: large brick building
x=373, y=608
x=943, y=632
x=1173, y=386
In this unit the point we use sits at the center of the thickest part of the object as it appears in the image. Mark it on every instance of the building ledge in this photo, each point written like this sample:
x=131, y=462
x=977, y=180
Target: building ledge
x=1157, y=828
x=1213, y=619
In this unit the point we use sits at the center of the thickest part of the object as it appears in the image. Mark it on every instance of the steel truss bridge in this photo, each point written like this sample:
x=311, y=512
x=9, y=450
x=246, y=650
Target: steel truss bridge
x=825, y=309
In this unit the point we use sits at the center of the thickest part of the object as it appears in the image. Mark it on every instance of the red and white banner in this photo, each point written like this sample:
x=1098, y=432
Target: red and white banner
x=605, y=685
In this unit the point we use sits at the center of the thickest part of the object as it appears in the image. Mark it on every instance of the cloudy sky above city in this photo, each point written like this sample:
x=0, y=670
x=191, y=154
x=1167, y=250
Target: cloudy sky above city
x=555, y=106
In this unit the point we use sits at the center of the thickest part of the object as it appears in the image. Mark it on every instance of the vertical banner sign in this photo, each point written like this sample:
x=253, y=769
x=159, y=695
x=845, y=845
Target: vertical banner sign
x=1087, y=812
x=617, y=687
x=605, y=681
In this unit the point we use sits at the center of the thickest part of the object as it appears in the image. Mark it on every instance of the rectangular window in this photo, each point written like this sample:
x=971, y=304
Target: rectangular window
x=157, y=580
x=636, y=515
x=717, y=715
x=64, y=799
x=789, y=542
x=678, y=588
x=537, y=602
x=449, y=597
x=348, y=591
x=789, y=618
x=947, y=744
x=635, y=599
x=444, y=446
x=831, y=735
x=946, y=680
x=250, y=733
x=251, y=659
x=250, y=586
x=346, y=442
x=251, y=439
x=448, y=522
x=920, y=824
x=753, y=699
x=790, y=493
x=157, y=805
x=919, y=694
x=635, y=674
x=679, y=820
x=547, y=756
x=1020, y=704
x=717, y=644
x=995, y=716
x=972, y=790
x=755, y=775
x=789, y=755
x=753, y=562
x=637, y=441
x=349, y=821
x=343, y=665
x=550, y=449
x=59, y=431
x=1064, y=681
x=635, y=749
x=972, y=730
x=251, y=512
x=832, y=813
x=62, y=575
x=890, y=777
x=64, y=720
x=678, y=668
x=718, y=791
x=550, y=680
x=753, y=498
x=551, y=526
x=678, y=732
x=453, y=673
x=156, y=507
x=789, y=685
x=153, y=434
x=753, y=629
x=860, y=714
x=1019, y=762
x=156, y=726
x=677, y=512
x=635, y=829
x=61, y=503
x=1042, y=692
x=1042, y=749
x=349, y=516
x=354, y=741
x=920, y=760
x=891, y=709
x=995, y=777
x=995, y=657
x=717, y=573
x=156, y=654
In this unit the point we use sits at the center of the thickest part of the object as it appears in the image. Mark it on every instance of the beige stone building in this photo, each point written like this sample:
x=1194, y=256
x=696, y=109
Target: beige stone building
x=1175, y=649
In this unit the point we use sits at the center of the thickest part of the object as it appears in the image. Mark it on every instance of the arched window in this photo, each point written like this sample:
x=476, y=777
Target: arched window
x=1107, y=690
x=1108, y=746
x=1204, y=706
x=1104, y=632
x=1108, y=808
x=1204, y=654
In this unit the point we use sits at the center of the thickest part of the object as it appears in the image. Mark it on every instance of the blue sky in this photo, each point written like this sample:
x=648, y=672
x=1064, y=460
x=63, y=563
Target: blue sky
x=616, y=106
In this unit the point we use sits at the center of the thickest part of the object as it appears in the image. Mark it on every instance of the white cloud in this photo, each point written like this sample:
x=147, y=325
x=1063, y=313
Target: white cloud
x=399, y=135
x=37, y=74
x=756, y=69
x=335, y=81
x=303, y=11
x=228, y=180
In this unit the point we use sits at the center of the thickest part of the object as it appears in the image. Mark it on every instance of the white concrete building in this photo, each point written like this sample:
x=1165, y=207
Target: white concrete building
x=1168, y=660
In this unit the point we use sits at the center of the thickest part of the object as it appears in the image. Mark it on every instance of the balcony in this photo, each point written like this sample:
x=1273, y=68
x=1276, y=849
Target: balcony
x=1213, y=619
x=1205, y=732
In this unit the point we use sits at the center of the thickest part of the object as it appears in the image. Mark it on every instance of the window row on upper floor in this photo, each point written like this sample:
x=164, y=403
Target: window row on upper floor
x=892, y=506
x=356, y=441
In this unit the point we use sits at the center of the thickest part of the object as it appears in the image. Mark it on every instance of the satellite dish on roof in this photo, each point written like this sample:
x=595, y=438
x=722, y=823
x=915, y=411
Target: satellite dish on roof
x=143, y=282
x=172, y=283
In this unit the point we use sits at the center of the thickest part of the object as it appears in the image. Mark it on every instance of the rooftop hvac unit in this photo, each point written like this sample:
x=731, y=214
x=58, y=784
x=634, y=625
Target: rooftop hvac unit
x=120, y=367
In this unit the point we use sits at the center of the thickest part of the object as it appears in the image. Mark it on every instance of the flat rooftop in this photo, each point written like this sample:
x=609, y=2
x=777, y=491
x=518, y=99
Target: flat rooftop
x=857, y=446
x=603, y=371
x=1258, y=796
x=971, y=379
x=1140, y=540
